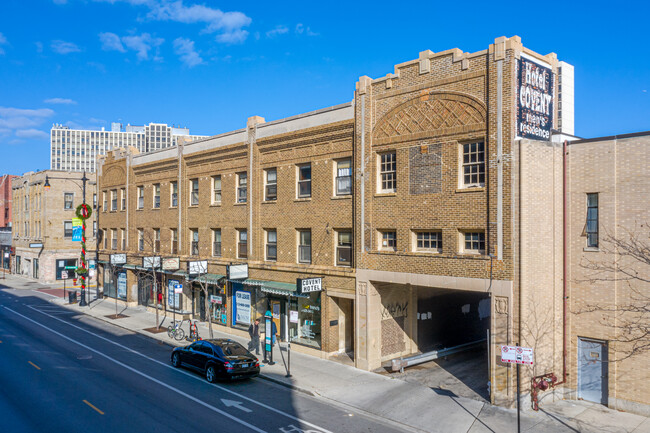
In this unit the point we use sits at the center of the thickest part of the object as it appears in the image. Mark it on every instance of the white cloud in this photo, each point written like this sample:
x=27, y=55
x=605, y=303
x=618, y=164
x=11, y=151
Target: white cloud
x=111, y=42
x=142, y=44
x=3, y=41
x=234, y=37
x=23, y=123
x=185, y=49
x=230, y=24
x=31, y=133
x=39, y=47
x=63, y=47
x=59, y=101
x=300, y=29
x=278, y=30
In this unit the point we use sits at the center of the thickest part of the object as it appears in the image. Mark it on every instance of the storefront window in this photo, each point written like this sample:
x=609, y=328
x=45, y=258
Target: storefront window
x=305, y=320
x=114, y=281
x=218, y=304
x=243, y=299
x=174, y=300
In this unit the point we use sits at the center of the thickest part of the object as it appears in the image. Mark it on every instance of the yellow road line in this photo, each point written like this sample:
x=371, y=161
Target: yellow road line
x=34, y=365
x=89, y=404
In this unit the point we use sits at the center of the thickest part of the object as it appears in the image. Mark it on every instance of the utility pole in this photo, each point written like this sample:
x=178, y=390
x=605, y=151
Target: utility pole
x=82, y=302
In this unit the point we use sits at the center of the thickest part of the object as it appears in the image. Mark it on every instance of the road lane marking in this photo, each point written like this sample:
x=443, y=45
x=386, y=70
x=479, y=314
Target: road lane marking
x=237, y=404
x=188, y=374
x=34, y=365
x=91, y=405
x=153, y=379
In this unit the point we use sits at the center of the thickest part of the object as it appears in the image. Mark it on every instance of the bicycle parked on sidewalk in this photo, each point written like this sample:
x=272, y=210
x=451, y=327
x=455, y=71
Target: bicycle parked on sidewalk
x=175, y=331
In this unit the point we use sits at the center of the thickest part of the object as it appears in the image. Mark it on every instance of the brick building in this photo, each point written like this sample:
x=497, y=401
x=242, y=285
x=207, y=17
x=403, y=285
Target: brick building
x=42, y=233
x=5, y=221
x=432, y=206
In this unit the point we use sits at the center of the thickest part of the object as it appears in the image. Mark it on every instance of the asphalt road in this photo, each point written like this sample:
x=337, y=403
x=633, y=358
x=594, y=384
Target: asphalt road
x=64, y=372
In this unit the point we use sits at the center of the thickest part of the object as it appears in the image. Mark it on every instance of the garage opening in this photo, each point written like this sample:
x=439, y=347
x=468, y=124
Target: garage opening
x=447, y=319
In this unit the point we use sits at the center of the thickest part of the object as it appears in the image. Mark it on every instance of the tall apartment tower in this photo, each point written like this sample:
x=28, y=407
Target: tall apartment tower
x=77, y=150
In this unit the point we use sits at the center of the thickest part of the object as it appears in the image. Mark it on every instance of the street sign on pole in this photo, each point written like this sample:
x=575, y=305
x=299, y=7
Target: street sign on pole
x=64, y=275
x=70, y=267
x=517, y=355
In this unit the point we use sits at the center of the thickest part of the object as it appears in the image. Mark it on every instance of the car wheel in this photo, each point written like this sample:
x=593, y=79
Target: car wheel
x=211, y=374
x=176, y=360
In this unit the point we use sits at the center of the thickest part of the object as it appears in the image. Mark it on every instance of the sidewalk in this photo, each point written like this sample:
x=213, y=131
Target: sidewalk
x=413, y=406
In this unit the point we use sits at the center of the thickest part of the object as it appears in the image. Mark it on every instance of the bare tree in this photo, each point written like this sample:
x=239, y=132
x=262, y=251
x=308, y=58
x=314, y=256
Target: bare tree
x=202, y=282
x=149, y=270
x=627, y=261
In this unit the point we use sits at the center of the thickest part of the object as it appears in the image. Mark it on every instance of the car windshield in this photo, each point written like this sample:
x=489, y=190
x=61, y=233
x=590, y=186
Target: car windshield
x=233, y=349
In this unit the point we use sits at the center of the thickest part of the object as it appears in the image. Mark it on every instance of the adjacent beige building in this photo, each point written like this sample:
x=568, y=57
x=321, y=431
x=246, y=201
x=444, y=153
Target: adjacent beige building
x=42, y=224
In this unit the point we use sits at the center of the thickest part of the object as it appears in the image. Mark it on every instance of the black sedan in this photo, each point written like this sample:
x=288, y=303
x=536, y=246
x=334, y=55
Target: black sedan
x=218, y=358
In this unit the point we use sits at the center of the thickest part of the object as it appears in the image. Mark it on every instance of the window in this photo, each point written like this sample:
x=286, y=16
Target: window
x=344, y=248
x=388, y=240
x=140, y=240
x=194, y=242
x=174, y=236
x=67, y=229
x=194, y=192
x=304, y=246
x=271, y=245
x=344, y=177
x=388, y=172
x=113, y=200
x=94, y=229
x=67, y=201
x=473, y=164
x=271, y=187
x=216, y=242
x=474, y=243
x=428, y=241
x=242, y=181
x=123, y=233
x=592, y=220
x=242, y=244
x=104, y=238
x=140, y=197
x=123, y=198
x=156, y=240
x=173, y=190
x=113, y=239
x=216, y=190
x=304, y=181
x=94, y=200
x=156, y=195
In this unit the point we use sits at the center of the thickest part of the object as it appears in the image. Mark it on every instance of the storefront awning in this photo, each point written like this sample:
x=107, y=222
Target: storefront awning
x=127, y=266
x=208, y=278
x=102, y=262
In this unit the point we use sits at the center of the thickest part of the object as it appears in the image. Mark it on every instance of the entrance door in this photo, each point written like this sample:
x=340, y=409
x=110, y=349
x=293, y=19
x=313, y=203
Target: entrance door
x=145, y=289
x=346, y=325
x=592, y=370
x=35, y=268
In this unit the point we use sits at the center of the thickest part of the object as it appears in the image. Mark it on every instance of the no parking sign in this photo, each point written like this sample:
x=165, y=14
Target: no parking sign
x=517, y=355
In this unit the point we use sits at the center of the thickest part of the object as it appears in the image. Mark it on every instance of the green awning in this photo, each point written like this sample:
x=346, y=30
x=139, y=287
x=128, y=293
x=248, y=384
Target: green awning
x=127, y=266
x=102, y=262
x=208, y=278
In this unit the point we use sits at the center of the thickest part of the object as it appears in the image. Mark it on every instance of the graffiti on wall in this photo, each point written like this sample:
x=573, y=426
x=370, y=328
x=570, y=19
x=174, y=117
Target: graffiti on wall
x=394, y=310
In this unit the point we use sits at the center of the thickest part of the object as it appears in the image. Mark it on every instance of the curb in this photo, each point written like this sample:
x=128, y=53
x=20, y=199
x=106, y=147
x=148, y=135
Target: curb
x=288, y=385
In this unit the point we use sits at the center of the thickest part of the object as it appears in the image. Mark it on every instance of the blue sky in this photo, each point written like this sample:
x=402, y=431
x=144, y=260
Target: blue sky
x=209, y=65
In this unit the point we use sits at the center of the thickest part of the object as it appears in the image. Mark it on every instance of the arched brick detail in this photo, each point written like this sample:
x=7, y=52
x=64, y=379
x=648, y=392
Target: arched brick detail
x=432, y=113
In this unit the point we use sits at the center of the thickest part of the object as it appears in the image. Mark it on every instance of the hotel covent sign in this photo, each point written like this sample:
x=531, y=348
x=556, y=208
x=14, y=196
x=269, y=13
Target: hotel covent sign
x=535, y=99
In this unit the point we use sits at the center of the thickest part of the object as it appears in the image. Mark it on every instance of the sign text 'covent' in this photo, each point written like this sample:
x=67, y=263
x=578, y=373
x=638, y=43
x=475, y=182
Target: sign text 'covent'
x=534, y=100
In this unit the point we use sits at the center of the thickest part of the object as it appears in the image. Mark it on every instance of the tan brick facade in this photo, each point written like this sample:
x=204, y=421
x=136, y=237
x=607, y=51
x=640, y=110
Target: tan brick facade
x=40, y=215
x=427, y=236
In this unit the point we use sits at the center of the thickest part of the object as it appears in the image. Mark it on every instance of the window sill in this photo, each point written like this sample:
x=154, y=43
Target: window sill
x=386, y=194
x=155, y=208
x=193, y=206
x=341, y=197
x=173, y=207
x=301, y=199
x=591, y=249
x=426, y=252
x=470, y=189
x=269, y=201
x=240, y=204
x=139, y=208
x=215, y=205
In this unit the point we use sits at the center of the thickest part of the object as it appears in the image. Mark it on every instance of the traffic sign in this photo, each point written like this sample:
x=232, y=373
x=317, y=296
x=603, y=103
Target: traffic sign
x=178, y=288
x=64, y=275
x=71, y=267
x=517, y=355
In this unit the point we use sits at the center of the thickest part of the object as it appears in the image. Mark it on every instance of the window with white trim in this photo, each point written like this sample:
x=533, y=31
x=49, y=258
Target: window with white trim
x=271, y=245
x=387, y=240
x=304, y=181
x=473, y=169
x=216, y=189
x=140, y=197
x=304, y=246
x=242, y=243
x=194, y=192
x=173, y=192
x=427, y=241
x=473, y=243
x=388, y=172
x=156, y=195
x=216, y=242
x=242, y=187
x=271, y=184
x=344, y=177
x=344, y=248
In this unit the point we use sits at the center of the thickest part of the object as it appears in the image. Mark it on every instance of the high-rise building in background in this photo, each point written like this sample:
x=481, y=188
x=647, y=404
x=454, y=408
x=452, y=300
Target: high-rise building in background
x=77, y=149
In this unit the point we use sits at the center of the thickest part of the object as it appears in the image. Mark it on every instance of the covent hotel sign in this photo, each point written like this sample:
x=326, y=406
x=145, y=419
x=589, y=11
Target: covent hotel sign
x=535, y=99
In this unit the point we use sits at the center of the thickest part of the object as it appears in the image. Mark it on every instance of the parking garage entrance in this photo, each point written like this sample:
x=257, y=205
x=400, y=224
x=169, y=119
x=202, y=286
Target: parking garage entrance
x=453, y=322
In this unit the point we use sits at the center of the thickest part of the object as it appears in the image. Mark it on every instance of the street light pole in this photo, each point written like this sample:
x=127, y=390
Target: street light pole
x=82, y=302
